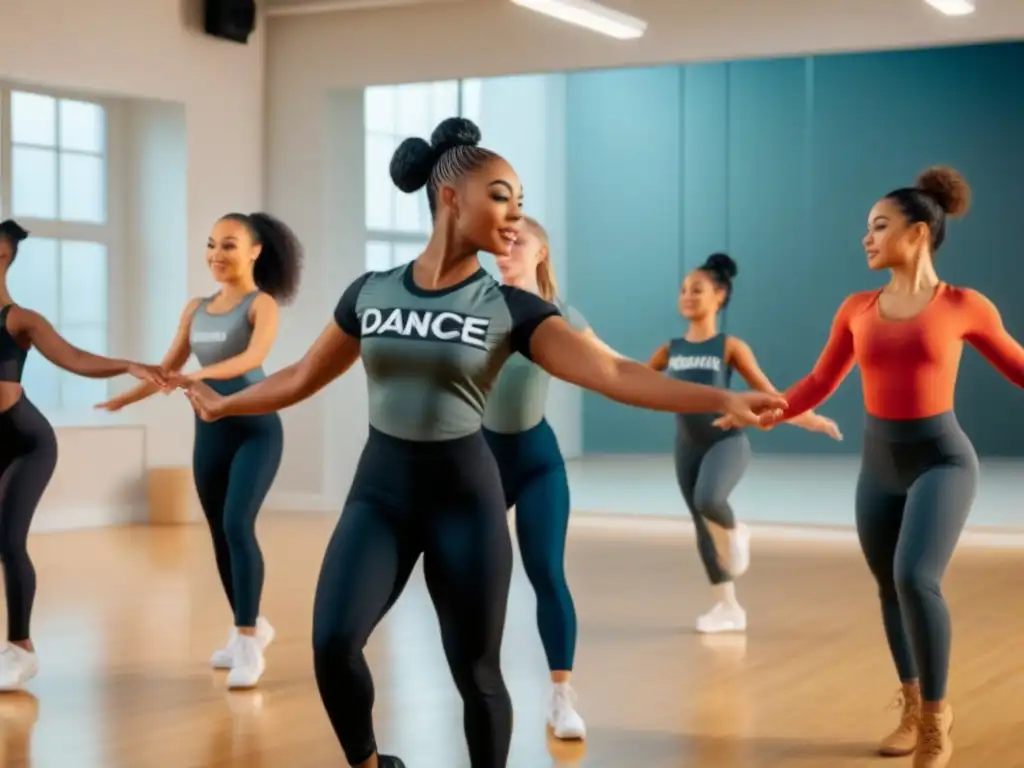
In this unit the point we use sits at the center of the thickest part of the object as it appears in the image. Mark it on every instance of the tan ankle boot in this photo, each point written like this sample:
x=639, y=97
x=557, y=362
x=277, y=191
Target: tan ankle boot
x=903, y=741
x=934, y=747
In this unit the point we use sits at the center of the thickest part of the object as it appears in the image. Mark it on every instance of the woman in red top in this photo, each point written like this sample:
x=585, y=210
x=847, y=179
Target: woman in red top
x=919, y=472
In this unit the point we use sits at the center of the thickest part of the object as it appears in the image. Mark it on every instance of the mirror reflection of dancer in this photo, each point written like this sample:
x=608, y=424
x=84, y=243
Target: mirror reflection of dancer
x=919, y=472
x=710, y=462
x=256, y=259
x=433, y=335
x=28, y=451
x=533, y=476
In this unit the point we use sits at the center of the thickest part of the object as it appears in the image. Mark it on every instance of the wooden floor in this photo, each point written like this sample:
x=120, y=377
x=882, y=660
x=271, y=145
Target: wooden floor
x=126, y=619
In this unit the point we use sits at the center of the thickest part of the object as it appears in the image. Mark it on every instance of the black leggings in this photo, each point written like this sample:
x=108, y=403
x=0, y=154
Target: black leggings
x=234, y=462
x=707, y=473
x=917, y=482
x=28, y=456
x=443, y=500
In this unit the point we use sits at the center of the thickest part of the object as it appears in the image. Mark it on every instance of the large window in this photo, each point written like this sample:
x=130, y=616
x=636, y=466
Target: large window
x=53, y=180
x=398, y=225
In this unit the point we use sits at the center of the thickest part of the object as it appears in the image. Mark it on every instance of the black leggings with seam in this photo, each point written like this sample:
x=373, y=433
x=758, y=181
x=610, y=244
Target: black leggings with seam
x=28, y=457
x=918, y=480
x=442, y=500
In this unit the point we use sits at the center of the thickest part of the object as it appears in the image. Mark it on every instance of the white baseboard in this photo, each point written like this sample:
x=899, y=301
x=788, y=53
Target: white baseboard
x=79, y=518
x=285, y=501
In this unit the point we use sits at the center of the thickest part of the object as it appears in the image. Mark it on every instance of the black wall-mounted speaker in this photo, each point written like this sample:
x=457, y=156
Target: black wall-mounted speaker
x=231, y=20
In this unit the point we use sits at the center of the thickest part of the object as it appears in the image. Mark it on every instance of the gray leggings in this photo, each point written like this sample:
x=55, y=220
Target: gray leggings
x=917, y=482
x=707, y=474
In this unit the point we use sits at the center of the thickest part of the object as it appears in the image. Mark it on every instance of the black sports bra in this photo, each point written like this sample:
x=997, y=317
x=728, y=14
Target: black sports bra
x=12, y=356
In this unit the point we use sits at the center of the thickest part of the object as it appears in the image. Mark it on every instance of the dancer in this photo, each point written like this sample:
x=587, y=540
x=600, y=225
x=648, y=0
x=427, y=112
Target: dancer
x=433, y=335
x=533, y=475
x=710, y=462
x=919, y=471
x=28, y=451
x=256, y=260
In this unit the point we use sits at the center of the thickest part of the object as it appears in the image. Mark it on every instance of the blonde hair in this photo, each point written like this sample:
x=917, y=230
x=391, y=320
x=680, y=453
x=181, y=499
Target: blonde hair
x=546, y=281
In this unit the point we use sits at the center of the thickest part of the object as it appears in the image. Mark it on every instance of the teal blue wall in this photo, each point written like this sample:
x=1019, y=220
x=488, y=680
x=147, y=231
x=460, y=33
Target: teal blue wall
x=778, y=162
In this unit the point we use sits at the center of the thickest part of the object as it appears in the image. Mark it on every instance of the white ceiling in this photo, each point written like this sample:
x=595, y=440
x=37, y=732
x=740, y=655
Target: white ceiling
x=433, y=39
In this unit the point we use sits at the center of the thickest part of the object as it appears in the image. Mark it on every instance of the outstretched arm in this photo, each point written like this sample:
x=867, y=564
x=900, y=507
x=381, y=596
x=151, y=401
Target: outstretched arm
x=834, y=364
x=985, y=332
x=331, y=355
x=58, y=351
x=741, y=357
x=568, y=355
x=264, y=318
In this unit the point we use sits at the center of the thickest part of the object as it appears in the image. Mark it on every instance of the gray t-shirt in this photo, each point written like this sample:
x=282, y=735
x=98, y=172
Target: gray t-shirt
x=520, y=395
x=218, y=337
x=701, y=362
x=432, y=356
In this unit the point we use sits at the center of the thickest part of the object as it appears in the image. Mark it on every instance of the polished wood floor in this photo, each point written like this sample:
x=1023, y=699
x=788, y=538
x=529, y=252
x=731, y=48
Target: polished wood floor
x=126, y=619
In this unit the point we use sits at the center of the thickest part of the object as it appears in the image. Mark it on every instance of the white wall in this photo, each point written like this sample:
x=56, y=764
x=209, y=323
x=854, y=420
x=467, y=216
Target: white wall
x=127, y=48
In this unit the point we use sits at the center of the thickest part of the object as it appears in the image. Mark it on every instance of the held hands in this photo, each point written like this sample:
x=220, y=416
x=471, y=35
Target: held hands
x=751, y=409
x=151, y=373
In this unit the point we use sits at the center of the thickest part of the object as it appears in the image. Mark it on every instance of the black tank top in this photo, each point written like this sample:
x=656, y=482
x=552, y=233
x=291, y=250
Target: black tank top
x=701, y=362
x=12, y=356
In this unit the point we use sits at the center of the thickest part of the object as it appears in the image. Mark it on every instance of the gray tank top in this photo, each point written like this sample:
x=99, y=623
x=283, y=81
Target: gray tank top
x=432, y=357
x=218, y=337
x=520, y=395
x=700, y=363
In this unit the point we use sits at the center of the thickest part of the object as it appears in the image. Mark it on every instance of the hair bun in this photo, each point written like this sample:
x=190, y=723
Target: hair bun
x=411, y=164
x=949, y=189
x=722, y=265
x=454, y=132
x=11, y=229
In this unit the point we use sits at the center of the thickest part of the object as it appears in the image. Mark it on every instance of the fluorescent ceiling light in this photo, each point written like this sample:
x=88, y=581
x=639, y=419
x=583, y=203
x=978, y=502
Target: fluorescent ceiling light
x=584, y=13
x=952, y=7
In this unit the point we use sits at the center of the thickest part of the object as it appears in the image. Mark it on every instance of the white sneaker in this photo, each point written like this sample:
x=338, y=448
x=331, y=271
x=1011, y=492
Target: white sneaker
x=17, y=667
x=223, y=658
x=563, y=718
x=248, y=663
x=739, y=551
x=722, y=618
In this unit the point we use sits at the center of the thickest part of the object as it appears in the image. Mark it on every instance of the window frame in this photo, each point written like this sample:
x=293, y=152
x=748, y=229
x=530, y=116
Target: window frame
x=109, y=233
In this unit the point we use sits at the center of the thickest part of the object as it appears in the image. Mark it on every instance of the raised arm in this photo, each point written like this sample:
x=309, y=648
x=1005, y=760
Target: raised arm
x=175, y=359
x=541, y=334
x=834, y=364
x=659, y=360
x=263, y=314
x=740, y=357
x=58, y=351
x=985, y=332
x=333, y=353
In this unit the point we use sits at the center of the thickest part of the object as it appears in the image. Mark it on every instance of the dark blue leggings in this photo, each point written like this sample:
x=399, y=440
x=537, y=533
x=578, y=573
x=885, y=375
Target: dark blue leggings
x=534, y=480
x=917, y=483
x=234, y=463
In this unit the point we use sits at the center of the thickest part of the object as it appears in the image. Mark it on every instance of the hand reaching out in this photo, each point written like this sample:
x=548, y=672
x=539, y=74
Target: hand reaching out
x=827, y=427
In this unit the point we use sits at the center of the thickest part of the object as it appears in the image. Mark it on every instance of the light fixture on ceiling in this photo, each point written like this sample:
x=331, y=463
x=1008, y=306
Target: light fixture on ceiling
x=590, y=15
x=952, y=7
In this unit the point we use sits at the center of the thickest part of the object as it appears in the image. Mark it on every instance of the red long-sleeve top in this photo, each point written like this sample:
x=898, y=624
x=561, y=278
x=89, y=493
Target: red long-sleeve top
x=908, y=367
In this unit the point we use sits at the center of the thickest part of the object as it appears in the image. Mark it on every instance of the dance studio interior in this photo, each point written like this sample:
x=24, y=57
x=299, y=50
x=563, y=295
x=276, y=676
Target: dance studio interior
x=647, y=135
